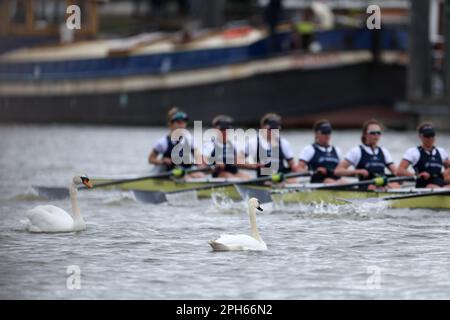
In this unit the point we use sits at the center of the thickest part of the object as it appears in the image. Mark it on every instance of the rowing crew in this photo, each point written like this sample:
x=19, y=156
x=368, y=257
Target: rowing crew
x=366, y=161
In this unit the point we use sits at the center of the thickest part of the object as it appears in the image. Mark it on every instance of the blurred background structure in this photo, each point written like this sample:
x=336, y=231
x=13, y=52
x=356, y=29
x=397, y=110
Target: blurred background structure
x=305, y=59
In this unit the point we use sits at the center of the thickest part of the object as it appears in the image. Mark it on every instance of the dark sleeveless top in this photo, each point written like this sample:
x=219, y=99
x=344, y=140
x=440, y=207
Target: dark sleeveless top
x=268, y=152
x=429, y=162
x=229, y=167
x=374, y=163
x=326, y=159
x=433, y=164
x=168, y=154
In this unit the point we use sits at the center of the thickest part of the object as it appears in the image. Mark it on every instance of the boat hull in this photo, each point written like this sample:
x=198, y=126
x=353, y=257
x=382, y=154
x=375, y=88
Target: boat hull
x=338, y=197
x=168, y=185
x=428, y=202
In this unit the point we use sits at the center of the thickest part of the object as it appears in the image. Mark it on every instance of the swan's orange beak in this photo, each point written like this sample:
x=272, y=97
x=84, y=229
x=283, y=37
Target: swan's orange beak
x=87, y=183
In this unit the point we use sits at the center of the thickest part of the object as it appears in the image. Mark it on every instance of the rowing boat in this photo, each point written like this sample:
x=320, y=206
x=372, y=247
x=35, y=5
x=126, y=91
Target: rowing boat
x=304, y=193
x=155, y=188
x=289, y=194
x=305, y=196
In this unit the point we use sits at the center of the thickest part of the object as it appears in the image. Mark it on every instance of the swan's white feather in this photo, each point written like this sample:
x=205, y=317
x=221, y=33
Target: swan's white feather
x=229, y=242
x=49, y=218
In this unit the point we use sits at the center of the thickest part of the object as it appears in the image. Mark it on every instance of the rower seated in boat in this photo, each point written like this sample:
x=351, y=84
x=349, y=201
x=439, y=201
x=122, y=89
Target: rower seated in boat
x=268, y=152
x=221, y=152
x=162, y=155
x=321, y=157
x=430, y=163
x=368, y=159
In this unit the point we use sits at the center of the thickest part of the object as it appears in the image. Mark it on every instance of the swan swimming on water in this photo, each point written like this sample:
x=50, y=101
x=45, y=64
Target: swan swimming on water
x=49, y=218
x=242, y=241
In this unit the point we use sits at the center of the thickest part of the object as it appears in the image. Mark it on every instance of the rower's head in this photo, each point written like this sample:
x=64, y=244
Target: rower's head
x=427, y=134
x=222, y=123
x=177, y=118
x=371, y=132
x=269, y=122
x=323, y=130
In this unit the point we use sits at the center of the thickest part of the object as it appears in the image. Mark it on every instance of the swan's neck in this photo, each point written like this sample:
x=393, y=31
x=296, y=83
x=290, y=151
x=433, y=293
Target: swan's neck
x=77, y=218
x=253, y=226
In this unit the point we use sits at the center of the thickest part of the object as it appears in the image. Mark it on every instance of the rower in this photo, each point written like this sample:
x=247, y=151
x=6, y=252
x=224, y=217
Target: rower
x=229, y=156
x=321, y=157
x=368, y=159
x=427, y=160
x=265, y=142
x=161, y=154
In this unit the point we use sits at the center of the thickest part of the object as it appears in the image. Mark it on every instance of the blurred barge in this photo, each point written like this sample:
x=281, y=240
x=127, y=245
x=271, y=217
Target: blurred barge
x=235, y=71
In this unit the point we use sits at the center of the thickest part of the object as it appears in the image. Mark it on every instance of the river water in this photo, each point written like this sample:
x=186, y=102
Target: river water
x=132, y=250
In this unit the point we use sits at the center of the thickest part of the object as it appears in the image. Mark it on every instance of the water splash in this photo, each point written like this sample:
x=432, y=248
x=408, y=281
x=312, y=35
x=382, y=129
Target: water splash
x=182, y=199
x=328, y=210
x=123, y=198
x=224, y=204
x=221, y=203
x=29, y=195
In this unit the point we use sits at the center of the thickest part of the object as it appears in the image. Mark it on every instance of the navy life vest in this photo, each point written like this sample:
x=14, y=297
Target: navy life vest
x=228, y=156
x=281, y=158
x=328, y=159
x=168, y=153
x=430, y=162
x=374, y=163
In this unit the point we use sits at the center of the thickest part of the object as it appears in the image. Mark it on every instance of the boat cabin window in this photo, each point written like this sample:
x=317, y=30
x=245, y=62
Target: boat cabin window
x=48, y=12
x=18, y=12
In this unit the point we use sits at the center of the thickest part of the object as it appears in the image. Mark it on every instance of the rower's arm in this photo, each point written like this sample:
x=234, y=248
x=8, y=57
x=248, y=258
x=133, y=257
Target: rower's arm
x=293, y=165
x=393, y=169
x=447, y=176
x=343, y=169
x=402, y=170
x=302, y=166
x=199, y=159
x=250, y=166
x=153, y=158
x=447, y=171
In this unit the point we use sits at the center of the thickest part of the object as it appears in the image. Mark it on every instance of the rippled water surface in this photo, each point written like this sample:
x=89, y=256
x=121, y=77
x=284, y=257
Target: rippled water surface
x=134, y=250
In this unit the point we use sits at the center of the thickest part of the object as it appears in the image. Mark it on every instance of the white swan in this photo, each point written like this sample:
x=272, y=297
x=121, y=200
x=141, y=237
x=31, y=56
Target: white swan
x=242, y=241
x=49, y=218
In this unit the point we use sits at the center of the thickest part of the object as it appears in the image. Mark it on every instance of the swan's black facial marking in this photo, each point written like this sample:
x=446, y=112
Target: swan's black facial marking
x=259, y=205
x=85, y=181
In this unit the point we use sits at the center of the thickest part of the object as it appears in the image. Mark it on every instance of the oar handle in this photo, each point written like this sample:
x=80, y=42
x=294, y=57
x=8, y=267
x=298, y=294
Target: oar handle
x=251, y=181
x=176, y=172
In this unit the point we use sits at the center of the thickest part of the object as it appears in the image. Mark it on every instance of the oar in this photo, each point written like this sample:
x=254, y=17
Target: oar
x=156, y=197
x=398, y=197
x=261, y=193
x=378, y=181
x=62, y=192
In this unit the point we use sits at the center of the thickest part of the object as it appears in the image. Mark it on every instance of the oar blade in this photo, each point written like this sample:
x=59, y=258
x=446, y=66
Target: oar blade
x=261, y=193
x=52, y=193
x=153, y=197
